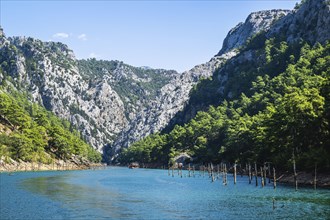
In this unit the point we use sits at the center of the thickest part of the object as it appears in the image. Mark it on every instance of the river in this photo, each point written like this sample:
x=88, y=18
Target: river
x=122, y=193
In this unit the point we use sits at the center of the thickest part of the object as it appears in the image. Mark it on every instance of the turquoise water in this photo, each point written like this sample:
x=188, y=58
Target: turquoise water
x=121, y=193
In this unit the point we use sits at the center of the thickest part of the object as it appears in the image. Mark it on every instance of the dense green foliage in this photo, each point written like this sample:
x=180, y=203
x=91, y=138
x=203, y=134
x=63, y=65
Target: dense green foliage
x=30, y=133
x=277, y=105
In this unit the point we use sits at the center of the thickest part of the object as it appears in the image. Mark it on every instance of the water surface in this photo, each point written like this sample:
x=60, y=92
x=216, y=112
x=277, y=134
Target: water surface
x=121, y=193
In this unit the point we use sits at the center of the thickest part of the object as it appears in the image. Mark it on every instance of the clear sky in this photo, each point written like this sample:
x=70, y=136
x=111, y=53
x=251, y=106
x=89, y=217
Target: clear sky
x=160, y=34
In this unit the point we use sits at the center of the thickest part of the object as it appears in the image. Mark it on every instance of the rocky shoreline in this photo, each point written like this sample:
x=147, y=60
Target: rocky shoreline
x=306, y=179
x=15, y=166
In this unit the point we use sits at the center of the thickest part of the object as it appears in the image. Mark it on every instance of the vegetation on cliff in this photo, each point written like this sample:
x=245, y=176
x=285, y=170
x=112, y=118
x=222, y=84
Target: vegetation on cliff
x=30, y=133
x=273, y=105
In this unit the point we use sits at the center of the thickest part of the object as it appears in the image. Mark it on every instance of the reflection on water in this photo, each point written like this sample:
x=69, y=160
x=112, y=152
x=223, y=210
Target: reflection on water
x=79, y=196
x=120, y=193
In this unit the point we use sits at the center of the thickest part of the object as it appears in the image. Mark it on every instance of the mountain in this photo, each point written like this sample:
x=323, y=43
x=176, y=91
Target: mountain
x=174, y=96
x=100, y=98
x=270, y=102
x=309, y=22
x=113, y=104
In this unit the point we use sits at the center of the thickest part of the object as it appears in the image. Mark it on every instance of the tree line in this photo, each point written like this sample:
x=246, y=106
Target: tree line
x=29, y=132
x=278, y=106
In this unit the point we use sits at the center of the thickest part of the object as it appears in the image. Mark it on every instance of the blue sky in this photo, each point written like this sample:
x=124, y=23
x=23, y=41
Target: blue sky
x=160, y=34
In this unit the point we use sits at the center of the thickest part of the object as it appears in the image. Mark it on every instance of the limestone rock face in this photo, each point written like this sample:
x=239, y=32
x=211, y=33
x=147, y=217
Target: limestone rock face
x=310, y=21
x=255, y=22
x=99, y=102
x=170, y=99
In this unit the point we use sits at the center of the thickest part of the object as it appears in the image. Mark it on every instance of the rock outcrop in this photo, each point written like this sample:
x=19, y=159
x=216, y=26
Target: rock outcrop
x=255, y=23
x=309, y=21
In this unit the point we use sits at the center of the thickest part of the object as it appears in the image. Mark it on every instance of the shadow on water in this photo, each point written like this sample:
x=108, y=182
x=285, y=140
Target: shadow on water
x=85, y=201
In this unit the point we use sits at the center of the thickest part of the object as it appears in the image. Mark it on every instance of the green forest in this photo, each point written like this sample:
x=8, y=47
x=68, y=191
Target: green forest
x=30, y=133
x=273, y=107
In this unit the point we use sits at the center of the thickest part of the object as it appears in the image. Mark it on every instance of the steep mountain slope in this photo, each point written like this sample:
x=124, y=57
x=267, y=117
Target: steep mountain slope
x=284, y=112
x=272, y=102
x=309, y=22
x=29, y=133
x=100, y=98
x=174, y=96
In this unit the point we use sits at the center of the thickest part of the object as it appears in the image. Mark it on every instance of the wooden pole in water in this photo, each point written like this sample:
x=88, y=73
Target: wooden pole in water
x=240, y=169
x=225, y=174
x=294, y=172
x=256, y=173
x=274, y=177
x=315, y=176
x=188, y=170
x=172, y=170
x=235, y=175
x=212, y=173
x=262, y=177
x=250, y=176
x=268, y=167
x=193, y=170
x=265, y=175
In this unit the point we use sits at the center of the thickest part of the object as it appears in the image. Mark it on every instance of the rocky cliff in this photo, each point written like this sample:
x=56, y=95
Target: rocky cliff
x=254, y=23
x=309, y=22
x=173, y=97
x=100, y=98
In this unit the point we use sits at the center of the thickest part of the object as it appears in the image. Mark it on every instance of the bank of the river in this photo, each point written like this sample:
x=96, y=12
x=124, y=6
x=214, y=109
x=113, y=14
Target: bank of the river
x=306, y=179
x=11, y=165
x=303, y=178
